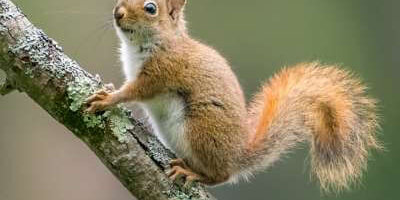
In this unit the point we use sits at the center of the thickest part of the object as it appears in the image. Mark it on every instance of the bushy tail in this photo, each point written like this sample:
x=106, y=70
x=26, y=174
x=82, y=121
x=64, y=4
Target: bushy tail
x=326, y=106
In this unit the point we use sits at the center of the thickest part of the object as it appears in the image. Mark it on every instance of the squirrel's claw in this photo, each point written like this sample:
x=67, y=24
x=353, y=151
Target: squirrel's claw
x=180, y=169
x=109, y=87
x=99, y=101
x=99, y=95
x=178, y=172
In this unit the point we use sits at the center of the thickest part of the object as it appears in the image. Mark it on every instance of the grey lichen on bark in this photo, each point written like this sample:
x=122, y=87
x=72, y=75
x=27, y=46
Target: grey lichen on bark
x=36, y=65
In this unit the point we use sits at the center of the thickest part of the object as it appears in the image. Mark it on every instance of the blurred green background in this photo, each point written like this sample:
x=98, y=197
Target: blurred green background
x=42, y=160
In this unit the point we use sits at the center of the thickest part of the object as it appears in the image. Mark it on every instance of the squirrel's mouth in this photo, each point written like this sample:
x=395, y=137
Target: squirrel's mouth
x=126, y=30
x=123, y=28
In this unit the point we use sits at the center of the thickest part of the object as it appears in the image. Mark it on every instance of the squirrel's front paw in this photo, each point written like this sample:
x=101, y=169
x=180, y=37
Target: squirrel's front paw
x=101, y=100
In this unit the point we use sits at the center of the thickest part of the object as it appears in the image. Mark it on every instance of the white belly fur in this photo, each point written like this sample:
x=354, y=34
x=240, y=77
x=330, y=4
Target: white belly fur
x=131, y=57
x=132, y=61
x=167, y=114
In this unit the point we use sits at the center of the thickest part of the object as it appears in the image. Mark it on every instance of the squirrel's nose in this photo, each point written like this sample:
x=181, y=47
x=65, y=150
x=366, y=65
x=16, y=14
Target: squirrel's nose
x=119, y=13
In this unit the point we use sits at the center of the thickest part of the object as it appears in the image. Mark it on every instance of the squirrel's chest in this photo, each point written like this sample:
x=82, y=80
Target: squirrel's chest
x=167, y=114
x=132, y=61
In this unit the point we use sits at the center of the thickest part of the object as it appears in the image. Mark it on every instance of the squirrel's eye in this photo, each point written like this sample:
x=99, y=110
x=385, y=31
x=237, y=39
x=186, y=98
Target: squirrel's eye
x=150, y=8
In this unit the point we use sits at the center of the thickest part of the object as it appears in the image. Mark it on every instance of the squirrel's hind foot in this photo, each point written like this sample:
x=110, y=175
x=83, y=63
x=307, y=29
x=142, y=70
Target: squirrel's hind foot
x=180, y=169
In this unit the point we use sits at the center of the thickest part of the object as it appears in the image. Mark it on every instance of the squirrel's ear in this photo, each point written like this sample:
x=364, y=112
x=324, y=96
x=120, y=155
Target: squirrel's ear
x=175, y=8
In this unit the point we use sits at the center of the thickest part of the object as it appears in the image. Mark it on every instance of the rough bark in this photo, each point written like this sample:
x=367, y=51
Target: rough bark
x=36, y=65
x=5, y=84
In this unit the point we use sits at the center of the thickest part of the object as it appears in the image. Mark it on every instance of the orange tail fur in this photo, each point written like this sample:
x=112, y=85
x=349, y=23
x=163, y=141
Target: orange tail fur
x=322, y=104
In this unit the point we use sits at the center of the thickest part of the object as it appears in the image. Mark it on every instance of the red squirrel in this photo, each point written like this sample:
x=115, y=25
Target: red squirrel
x=198, y=109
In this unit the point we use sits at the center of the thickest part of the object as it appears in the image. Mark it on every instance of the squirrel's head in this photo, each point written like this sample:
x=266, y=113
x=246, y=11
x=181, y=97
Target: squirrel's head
x=141, y=21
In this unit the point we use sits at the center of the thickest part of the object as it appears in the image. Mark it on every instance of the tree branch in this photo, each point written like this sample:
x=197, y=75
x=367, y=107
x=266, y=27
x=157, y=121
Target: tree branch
x=5, y=84
x=36, y=65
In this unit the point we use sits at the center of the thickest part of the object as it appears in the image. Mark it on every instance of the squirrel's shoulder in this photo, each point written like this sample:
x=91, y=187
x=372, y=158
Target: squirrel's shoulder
x=192, y=51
